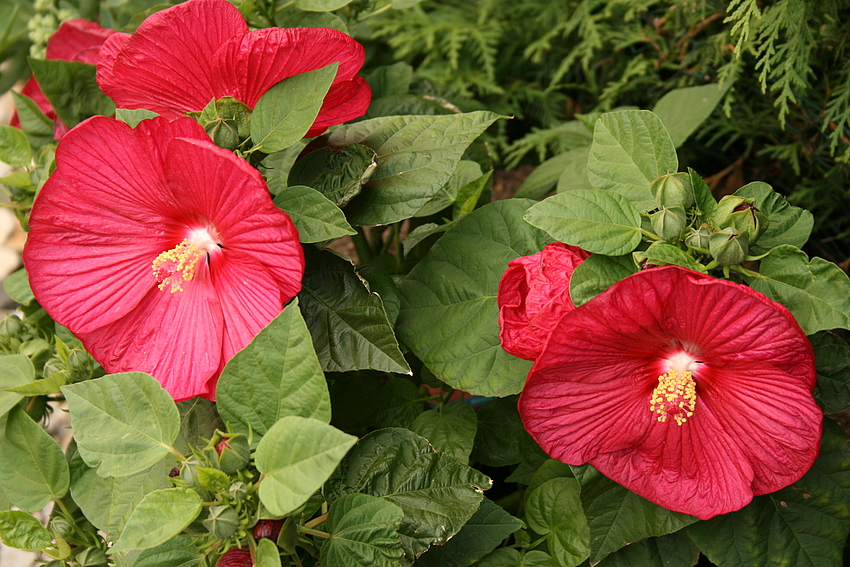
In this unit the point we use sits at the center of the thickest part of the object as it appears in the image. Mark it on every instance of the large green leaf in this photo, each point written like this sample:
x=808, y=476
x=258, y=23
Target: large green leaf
x=176, y=552
x=348, y=322
x=832, y=359
x=787, y=224
x=631, y=148
x=296, y=456
x=509, y=557
x=449, y=316
x=72, y=89
x=23, y=531
x=315, y=216
x=35, y=470
x=108, y=502
x=437, y=493
x=268, y=554
x=198, y=421
x=339, y=175
x=276, y=375
x=599, y=222
x=804, y=525
x=15, y=370
x=817, y=292
x=543, y=179
x=555, y=508
x=450, y=429
x=160, y=516
x=416, y=157
x=501, y=439
x=285, y=113
x=618, y=517
x=683, y=110
x=466, y=172
x=596, y=274
x=123, y=423
x=17, y=286
x=673, y=550
x=37, y=127
x=486, y=529
x=398, y=403
x=362, y=532
x=14, y=148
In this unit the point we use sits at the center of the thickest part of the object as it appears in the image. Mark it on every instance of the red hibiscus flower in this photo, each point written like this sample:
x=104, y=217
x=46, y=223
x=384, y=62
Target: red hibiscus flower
x=162, y=252
x=75, y=40
x=533, y=294
x=691, y=391
x=181, y=58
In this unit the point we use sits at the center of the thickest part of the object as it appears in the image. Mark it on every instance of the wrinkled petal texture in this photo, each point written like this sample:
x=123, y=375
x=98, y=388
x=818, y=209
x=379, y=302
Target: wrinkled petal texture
x=534, y=293
x=75, y=40
x=118, y=199
x=755, y=426
x=181, y=58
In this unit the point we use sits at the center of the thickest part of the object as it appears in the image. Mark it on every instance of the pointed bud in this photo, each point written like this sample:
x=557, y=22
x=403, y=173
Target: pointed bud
x=729, y=246
x=698, y=237
x=227, y=121
x=673, y=190
x=668, y=223
x=222, y=522
x=232, y=450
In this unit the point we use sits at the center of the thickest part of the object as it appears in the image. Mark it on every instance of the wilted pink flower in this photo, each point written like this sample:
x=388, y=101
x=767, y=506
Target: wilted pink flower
x=693, y=392
x=181, y=58
x=75, y=40
x=162, y=252
x=533, y=293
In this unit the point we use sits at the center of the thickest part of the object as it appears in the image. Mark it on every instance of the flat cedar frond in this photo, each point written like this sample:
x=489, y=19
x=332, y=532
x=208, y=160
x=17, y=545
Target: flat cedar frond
x=837, y=116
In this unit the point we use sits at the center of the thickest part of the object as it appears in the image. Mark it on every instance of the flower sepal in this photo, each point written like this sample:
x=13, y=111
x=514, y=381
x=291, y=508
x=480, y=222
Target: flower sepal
x=227, y=121
x=729, y=246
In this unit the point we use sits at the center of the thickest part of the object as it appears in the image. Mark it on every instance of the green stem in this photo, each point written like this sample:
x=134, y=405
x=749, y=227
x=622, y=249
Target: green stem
x=316, y=521
x=376, y=12
x=311, y=531
x=361, y=244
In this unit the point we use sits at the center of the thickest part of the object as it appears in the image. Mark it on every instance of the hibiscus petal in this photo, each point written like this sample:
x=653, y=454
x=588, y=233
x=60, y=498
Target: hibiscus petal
x=75, y=40
x=248, y=66
x=175, y=337
x=344, y=101
x=534, y=293
x=165, y=65
x=216, y=188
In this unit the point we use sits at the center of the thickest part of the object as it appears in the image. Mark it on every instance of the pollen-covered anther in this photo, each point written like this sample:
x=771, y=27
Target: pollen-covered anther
x=177, y=266
x=674, y=396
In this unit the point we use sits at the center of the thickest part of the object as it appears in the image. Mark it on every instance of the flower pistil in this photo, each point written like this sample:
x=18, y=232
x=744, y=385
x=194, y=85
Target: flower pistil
x=177, y=266
x=675, y=395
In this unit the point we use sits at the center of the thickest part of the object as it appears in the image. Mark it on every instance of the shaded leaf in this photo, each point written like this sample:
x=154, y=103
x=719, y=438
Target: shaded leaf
x=787, y=224
x=72, y=89
x=832, y=359
x=338, y=174
x=596, y=274
x=673, y=550
x=315, y=216
x=15, y=370
x=683, y=110
x=37, y=127
x=450, y=429
x=362, y=532
x=17, y=286
x=555, y=508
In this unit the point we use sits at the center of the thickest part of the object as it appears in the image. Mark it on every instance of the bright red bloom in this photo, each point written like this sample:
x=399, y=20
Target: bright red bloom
x=162, y=252
x=181, y=58
x=693, y=392
x=75, y=40
x=533, y=294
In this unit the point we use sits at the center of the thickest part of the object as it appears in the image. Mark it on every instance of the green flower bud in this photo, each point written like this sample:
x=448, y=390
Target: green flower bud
x=742, y=214
x=238, y=490
x=39, y=351
x=222, y=521
x=227, y=121
x=234, y=452
x=62, y=527
x=673, y=190
x=668, y=223
x=729, y=246
x=11, y=326
x=698, y=237
x=189, y=472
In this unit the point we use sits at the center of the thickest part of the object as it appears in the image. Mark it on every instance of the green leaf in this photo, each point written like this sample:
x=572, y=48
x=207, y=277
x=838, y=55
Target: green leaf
x=664, y=254
x=14, y=148
x=22, y=531
x=469, y=195
x=599, y=222
x=390, y=80
x=398, y=403
x=176, y=552
x=449, y=317
x=618, y=517
x=545, y=176
x=339, y=175
x=348, y=323
x=817, y=292
x=501, y=437
x=276, y=375
x=123, y=423
x=787, y=224
x=450, y=429
x=40, y=472
x=315, y=216
x=832, y=359
x=199, y=419
x=107, y=502
x=630, y=150
x=417, y=155
x=276, y=167
x=466, y=172
x=508, y=557
x=804, y=525
x=321, y=5
x=268, y=554
x=683, y=110
x=574, y=176
x=422, y=232
x=704, y=199
x=37, y=127
x=554, y=508
x=596, y=274
x=160, y=516
x=362, y=532
x=72, y=89
x=673, y=550
x=285, y=113
x=437, y=493
x=134, y=116
x=15, y=370
x=296, y=456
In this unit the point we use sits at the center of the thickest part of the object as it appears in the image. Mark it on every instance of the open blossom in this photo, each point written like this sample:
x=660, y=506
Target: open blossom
x=533, y=293
x=162, y=252
x=75, y=40
x=181, y=58
x=693, y=392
